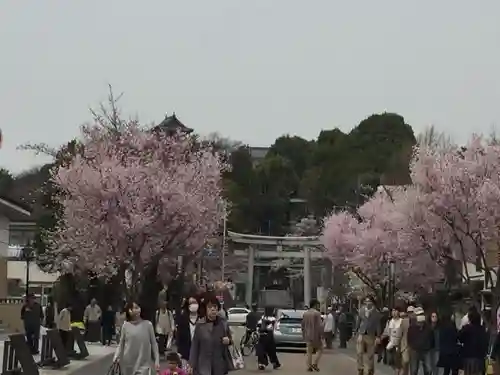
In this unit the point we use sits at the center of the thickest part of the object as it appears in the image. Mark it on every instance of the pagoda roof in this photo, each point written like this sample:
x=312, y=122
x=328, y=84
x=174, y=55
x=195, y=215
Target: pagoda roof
x=172, y=124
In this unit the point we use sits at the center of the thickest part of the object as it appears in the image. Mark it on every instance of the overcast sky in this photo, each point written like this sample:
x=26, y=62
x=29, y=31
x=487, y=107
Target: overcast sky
x=251, y=70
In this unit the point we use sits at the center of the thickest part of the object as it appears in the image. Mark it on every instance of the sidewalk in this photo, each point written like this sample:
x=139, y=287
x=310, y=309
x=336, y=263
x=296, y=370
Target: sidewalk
x=350, y=352
x=97, y=354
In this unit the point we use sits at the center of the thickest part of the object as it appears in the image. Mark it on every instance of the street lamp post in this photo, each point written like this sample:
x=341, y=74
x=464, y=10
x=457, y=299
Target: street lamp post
x=28, y=255
x=224, y=241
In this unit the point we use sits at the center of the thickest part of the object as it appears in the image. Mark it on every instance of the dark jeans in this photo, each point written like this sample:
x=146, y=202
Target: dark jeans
x=266, y=350
x=450, y=371
x=343, y=337
x=328, y=339
x=32, y=338
x=417, y=358
x=162, y=344
x=65, y=338
x=107, y=335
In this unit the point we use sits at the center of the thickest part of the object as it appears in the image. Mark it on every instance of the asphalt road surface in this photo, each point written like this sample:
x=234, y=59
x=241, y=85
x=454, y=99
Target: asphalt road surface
x=333, y=362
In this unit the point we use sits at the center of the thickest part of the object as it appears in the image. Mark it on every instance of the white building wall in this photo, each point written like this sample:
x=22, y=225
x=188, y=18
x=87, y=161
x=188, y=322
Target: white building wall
x=4, y=236
x=470, y=269
x=16, y=270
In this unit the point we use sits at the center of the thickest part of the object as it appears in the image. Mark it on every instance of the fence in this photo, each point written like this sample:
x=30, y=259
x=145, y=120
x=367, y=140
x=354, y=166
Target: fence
x=46, y=352
x=10, y=365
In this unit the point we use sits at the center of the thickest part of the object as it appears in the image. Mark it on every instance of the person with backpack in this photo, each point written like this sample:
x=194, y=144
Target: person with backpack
x=165, y=327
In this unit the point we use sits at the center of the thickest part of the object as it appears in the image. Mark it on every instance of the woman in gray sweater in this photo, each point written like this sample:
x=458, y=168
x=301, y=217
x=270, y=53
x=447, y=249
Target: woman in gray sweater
x=137, y=344
x=209, y=347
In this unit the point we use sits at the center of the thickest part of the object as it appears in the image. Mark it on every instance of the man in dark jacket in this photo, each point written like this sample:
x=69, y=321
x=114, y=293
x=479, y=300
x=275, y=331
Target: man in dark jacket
x=50, y=313
x=420, y=339
x=32, y=316
x=251, y=322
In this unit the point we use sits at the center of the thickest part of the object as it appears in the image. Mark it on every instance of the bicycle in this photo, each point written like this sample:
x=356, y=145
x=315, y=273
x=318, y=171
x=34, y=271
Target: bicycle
x=248, y=343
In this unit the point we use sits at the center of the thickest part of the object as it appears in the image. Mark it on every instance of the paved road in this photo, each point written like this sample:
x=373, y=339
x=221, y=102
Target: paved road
x=334, y=362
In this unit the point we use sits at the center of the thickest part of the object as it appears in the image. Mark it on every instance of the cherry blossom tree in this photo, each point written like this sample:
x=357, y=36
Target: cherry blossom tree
x=134, y=197
x=368, y=242
x=456, y=212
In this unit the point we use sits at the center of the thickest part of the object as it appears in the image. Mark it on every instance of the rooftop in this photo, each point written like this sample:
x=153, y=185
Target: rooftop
x=14, y=211
x=258, y=153
x=172, y=124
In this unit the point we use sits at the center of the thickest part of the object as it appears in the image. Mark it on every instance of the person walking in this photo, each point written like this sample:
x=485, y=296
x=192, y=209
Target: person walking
x=164, y=327
x=343, y=328
x=137, y=351
x=368, y=330
x=329, y=328
x=381, y=350
x=448, y=346
x=420, y=343
x=266, y=347
x=186, y=324
x=92, y=320
x=404, y=348
x=393, y=332
x=108, y=325
x=312, y=331
x=474, y=341
x=432, y=356
x=64, y=326
x=209, y=353
x=32, y=317
x=50, y=314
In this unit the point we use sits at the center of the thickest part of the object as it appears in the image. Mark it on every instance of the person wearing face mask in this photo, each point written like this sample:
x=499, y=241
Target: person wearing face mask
x=186, y=323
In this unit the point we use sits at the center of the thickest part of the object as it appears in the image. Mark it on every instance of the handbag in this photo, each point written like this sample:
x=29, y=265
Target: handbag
x=115, y=369
x=236, y=357
x=169, y=341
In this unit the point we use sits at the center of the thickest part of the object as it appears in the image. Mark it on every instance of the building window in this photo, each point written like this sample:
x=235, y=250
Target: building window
x=20, y=237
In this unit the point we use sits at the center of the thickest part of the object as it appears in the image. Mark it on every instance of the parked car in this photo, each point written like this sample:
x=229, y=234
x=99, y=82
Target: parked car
x=237, y=315
x=288, y=329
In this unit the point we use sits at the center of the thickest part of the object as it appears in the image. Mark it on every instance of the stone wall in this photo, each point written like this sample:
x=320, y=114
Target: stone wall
x=3, y=277
x=10, y=314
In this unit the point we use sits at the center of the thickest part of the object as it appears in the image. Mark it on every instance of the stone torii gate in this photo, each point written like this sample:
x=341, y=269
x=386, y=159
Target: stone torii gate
x=305, y=248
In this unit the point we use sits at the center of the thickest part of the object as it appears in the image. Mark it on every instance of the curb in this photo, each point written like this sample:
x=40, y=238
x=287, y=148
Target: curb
x=94, y=367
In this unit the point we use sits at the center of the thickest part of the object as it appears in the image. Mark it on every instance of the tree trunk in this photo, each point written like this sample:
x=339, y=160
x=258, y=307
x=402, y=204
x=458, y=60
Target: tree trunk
x=150, y=289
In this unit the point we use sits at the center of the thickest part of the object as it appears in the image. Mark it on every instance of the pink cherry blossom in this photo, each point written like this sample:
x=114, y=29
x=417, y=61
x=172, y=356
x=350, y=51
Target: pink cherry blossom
x=134, y=197
x=459, y=202
x=377, y=237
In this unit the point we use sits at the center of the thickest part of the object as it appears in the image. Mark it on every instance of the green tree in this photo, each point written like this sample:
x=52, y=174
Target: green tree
x=6, y=181
x=296, y=150
x=346, y=168
x=50, y=212
x=277, y=184
x=240, y=186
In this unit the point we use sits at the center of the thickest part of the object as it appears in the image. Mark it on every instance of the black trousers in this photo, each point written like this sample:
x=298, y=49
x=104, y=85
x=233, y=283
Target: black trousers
x=65, y=338
x=343, y=337
x=162, y=344
x=93, y=331
x=107, y=334
x=32, y=338
x=266, y=350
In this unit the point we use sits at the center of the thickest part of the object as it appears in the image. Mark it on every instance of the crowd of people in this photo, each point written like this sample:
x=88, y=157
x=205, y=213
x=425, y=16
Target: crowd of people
x=407, y=338
x=410, y=339
x=201, y=332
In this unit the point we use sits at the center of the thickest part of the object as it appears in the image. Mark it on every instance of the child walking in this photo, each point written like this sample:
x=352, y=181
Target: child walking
x=174, y=365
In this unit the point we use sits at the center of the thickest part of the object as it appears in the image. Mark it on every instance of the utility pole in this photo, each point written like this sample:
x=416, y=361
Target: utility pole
x=223, y=253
